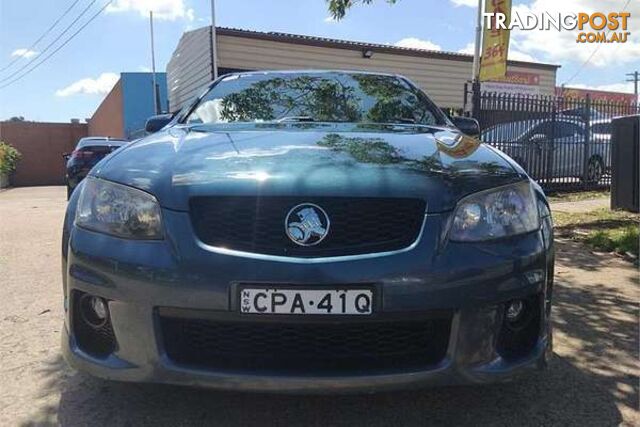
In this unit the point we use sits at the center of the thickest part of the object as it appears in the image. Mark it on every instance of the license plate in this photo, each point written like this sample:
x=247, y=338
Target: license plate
x=306, y=301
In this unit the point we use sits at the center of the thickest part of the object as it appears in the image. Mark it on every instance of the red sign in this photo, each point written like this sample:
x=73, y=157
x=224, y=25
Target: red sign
x=596, y=95
x=520, y=78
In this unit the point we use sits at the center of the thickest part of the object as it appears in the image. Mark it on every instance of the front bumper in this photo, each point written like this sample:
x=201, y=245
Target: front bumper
x=470, y=281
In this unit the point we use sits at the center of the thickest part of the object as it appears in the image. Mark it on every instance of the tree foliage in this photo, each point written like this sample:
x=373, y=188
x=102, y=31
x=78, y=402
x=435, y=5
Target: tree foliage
x=364, y=150
x=327, y=98
x=394, y=103
x=338, y=8
x=9, y=158
x=318, y=98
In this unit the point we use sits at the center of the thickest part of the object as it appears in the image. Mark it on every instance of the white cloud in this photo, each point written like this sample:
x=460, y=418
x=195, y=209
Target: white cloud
x=613, y=87
x=24, y=53
x=330, y=20
x=562, y=47
x=416, y=43
x=470, y=3
x=514, y=54
x=144, y=69
x=468, y=49
x=168, y=10
x=101, y=85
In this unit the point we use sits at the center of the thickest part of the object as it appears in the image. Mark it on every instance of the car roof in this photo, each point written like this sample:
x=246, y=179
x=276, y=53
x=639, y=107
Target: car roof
x=310, y=71
x=534, y=122
x=100, y=141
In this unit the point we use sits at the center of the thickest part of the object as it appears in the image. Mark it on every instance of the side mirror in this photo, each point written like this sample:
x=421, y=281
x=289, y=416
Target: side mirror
x=155, y=123
x=466, y=125
x=66, y=156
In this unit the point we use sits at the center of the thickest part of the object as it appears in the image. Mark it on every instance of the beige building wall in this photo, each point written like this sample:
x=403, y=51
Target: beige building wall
x=190, y=68
x=442, y=79
x=441, y=74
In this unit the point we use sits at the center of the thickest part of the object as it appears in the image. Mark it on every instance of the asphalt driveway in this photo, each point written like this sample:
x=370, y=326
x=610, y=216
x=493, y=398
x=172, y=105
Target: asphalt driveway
x=592, y=380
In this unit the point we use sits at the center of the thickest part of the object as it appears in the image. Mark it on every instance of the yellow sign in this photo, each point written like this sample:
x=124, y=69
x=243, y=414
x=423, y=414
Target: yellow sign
x=495, y=41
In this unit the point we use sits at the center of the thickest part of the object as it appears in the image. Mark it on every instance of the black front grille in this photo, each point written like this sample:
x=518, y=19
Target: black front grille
x=358, y=225
x=306, y=348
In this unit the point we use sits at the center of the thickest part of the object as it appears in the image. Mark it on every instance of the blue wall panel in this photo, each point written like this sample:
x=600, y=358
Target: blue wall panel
x=137, y=100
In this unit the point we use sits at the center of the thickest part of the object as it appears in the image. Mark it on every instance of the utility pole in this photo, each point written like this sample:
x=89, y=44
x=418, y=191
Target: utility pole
x=214, y=44
x=635, y=76
x=478, y=45
x=153, y=67
x=475, y=73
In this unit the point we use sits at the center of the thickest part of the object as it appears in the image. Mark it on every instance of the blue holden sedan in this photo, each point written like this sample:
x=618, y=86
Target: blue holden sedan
x=308, y=231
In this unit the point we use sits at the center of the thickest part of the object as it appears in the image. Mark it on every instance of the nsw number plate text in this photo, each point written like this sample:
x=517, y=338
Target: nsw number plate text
x=306, y=301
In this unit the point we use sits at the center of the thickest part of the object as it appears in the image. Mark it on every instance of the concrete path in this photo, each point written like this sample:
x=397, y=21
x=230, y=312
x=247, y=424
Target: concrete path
x=581, y=205
x=592, y=380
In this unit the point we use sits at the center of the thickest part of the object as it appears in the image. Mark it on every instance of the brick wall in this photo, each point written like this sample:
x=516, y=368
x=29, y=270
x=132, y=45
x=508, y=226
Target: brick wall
x=108, y=119
x=41, y=146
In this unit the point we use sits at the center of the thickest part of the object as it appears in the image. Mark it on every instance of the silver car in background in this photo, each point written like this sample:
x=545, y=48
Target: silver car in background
x=551, y=149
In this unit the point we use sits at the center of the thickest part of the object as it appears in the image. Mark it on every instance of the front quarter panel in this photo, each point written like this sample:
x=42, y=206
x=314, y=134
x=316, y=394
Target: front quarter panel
x=67, y=225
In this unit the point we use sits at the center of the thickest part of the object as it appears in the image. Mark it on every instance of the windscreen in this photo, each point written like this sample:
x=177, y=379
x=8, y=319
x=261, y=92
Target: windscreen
x=315, y=97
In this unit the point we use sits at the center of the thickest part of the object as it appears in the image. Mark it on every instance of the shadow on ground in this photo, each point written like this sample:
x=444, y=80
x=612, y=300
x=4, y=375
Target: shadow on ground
x=576, y=255
x=591, y=382
x=597, y=320
x=562, y=395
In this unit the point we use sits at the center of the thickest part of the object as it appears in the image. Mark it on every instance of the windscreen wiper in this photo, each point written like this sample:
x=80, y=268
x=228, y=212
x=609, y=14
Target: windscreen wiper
x=408, y=120
x=295, y=119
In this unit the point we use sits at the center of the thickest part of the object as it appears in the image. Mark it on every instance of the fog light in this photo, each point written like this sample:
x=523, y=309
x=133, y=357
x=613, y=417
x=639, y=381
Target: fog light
x=94, y=310
x=514, y=310
x=99, y=308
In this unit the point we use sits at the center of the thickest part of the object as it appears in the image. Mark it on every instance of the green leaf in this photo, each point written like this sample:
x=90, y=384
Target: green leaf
x=9, y=158
x=338, y=8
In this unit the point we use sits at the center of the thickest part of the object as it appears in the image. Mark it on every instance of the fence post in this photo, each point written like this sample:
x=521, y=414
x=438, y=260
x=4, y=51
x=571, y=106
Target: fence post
x=587, y=142
x=475, y=112
x=465, y=108
x=550, y=154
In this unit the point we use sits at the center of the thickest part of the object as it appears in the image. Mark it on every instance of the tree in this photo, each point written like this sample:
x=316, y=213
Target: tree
x=320, y=99
x=9, y=158
x=329, y=97
x=338, y=8
x=394, y=101
x=17, y=119
x=364, y=150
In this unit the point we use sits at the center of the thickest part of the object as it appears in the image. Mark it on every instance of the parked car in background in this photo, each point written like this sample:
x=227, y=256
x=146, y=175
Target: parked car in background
x=583, y=114
x=88, y=152
x=601, y=129
x=551, y=149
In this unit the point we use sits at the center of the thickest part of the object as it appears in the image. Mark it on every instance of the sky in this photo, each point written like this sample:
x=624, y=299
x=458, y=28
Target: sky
x=74, y=80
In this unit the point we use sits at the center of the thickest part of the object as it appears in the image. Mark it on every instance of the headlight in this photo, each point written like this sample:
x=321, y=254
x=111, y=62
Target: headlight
x=495, y=213
x=118, y=210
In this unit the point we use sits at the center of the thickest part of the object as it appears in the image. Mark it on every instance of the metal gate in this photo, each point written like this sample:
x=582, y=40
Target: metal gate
x=562, y=143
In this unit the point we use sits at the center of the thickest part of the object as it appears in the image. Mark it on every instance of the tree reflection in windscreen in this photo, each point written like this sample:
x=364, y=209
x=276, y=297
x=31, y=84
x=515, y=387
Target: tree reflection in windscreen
x=318, y=97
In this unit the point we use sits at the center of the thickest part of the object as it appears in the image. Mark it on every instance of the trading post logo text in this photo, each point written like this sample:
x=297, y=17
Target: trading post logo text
x=592, y=27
